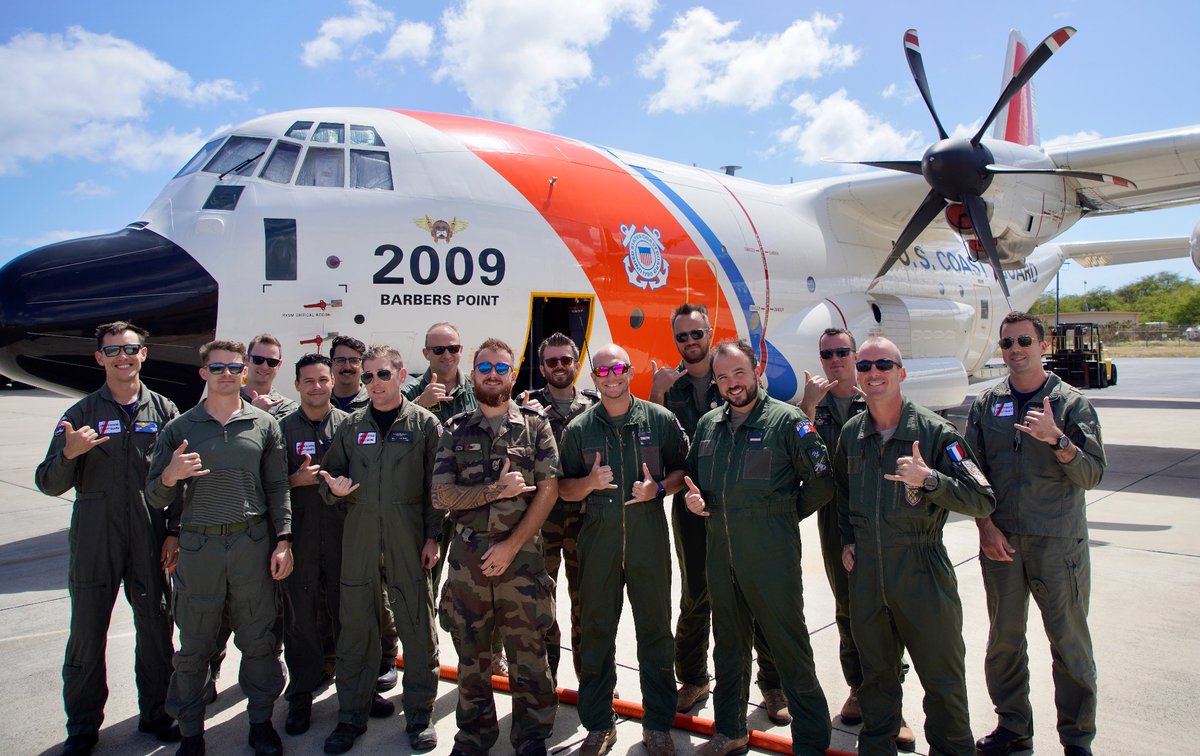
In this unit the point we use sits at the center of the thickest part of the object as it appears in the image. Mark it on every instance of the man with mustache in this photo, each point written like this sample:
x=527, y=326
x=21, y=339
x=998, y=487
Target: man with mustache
x=558, y=361
x=496, y=474
x=620, y=459
x=759, y=468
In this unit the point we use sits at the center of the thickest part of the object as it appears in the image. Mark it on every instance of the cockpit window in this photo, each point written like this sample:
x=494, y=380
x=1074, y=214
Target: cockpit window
x=282, y=163
x=239, y=152
x=330, y=133
x=299, y=129
x=200, y=157
x=370, y=169
x=365, y=135
x=323, y=166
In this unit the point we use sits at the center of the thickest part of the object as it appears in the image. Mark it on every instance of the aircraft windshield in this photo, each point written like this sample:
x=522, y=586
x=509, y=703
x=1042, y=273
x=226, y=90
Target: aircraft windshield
x=200, y=157
x=239, y=152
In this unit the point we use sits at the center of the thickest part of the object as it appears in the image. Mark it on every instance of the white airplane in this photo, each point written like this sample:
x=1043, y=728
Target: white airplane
x=377, y=223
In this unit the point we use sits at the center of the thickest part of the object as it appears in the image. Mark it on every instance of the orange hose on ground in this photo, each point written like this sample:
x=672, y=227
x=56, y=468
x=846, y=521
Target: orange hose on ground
x=764, y=741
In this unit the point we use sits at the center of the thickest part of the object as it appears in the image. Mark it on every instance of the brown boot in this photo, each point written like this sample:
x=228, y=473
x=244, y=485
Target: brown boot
x=906, y=739
x=775, y=702
x=720, y=745
x=851, y=713
x=689, y=694
x=658, y=743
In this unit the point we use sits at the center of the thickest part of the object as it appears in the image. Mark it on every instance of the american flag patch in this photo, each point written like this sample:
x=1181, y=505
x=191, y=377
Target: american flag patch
x=366, y=438
x=108, y=427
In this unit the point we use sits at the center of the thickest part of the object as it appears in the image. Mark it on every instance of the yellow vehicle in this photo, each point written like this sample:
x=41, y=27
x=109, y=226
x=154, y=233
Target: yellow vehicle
x=1077, y=356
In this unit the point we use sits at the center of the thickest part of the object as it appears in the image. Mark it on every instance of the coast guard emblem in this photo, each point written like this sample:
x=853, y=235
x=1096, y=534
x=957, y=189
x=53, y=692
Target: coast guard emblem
x=644, y=263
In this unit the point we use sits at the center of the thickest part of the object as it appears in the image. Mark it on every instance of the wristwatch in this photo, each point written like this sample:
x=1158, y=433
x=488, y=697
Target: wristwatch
x=662, y=491
x=284, y=537
x=932, y=481
x=1063, y=443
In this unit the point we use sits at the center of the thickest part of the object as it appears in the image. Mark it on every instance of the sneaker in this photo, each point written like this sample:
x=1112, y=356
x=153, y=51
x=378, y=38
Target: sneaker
x=499, y=665
x=388, y=678
x=720, y=745
x=851, y=712
x=598, y=742
x=299, y=716
x=381, y=708
x=80, y=745
x=264, y=740
x=163, y=728
x=658, y=743
x=775, y=702
x=343, y=737
x=906, y=739
x=422, y=739
x=191, y=745
x=689, y=694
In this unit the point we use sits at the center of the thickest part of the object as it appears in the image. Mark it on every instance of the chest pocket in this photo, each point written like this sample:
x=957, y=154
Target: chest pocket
x=706, y=450
x=471, y=468
x=520, y=460
x=589, y=457
x=651, y=456
x=756, y=466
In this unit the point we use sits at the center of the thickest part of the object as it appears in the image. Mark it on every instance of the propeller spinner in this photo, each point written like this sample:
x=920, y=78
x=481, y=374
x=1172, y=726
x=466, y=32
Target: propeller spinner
x=960, y=170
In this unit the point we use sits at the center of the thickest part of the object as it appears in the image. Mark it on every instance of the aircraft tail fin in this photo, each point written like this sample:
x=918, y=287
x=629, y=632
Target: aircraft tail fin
x=1017, y=122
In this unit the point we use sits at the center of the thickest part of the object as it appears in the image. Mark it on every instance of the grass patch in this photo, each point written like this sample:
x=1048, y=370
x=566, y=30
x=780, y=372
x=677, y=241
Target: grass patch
x=1153, y=349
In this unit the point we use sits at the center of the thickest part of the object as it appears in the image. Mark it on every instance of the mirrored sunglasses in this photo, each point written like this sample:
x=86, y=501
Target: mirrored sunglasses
x=219, y=368
x=602, y=371
x=501, y=368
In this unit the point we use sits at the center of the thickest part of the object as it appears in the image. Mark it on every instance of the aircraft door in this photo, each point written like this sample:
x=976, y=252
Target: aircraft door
x=701, y=287
x=567, y=314
x=983, y=327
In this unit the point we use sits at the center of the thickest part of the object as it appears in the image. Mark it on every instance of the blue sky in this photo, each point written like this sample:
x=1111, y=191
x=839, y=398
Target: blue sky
x=102, y=103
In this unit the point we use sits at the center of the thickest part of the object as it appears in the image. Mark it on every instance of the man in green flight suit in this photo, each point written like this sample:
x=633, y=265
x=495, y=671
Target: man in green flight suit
x=558, y=361
x=892, y=506
x=496, y=474
x=621, y=458
x=760, y=468
x=1038, y=441
x=379, y=467
x=228, y=457
x=101, y=448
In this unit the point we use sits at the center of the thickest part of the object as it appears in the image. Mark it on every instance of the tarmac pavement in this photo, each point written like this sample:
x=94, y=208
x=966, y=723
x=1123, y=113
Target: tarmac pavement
x=1145, y=535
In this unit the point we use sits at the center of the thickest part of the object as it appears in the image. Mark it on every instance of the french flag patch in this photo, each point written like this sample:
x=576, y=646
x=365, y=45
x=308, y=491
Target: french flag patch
x=366, y=438
x=803, y=428
x=955, y=451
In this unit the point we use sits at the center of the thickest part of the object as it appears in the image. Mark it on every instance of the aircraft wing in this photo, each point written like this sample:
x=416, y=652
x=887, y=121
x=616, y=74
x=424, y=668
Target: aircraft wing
x=1165, y=165
x=1094, y=254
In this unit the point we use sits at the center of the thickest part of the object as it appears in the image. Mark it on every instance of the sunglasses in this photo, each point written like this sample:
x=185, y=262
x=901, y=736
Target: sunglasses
x=1007, y=341
x=271, y=361
x=864, y=366
x=828, y=354
x=352, y=361
x=602, y=371
x=384, y=375
x=219, y=368
x=440, y=350
x=501, y=368
x=113, y=350
x=552, y=362
x=693, y=335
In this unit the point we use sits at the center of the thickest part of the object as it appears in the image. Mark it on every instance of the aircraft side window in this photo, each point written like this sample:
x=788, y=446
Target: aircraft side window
x=224, y=197
x=280, y=248
x=365, y=135
x=323, y=166
x=200, y=158
x=282, y=163
x=330, y=133
x=299, y=130
x=238, y=150
x=370, y=169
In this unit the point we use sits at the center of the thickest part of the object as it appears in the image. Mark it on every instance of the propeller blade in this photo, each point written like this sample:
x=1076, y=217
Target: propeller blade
x=1101, y=177
x=977, y=212
x=912, y=51
x=1036, y=59
x=904, y=166
x=928, y=210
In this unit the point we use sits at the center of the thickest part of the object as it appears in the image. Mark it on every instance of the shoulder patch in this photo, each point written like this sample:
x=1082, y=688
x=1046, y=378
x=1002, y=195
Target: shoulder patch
x=532, y=411
x=590, y=393
x=455, y=420
x=61, y=428
x=803, y=428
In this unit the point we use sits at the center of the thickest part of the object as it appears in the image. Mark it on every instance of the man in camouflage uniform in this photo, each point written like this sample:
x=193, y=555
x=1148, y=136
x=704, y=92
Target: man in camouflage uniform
x=1038, y=441
x=496, y=475
x=892, y=507
x=760, y=468
x=621, y=458
x=101, y=448
x=313, y=587
x=378, y=468
x=558, y=359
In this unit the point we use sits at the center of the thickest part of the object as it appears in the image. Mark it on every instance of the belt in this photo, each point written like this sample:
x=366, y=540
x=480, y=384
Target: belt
x=226, y=529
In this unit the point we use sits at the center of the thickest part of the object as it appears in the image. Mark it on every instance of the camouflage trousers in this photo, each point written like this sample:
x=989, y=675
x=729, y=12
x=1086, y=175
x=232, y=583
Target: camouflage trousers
x=516, y=607
x=560, y=535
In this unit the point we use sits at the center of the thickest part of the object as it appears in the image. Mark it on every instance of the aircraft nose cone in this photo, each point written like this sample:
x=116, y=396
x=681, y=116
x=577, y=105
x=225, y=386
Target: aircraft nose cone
x=52, y=299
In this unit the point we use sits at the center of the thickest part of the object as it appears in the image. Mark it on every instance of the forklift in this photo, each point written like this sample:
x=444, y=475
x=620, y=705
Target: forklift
x=1077, y=356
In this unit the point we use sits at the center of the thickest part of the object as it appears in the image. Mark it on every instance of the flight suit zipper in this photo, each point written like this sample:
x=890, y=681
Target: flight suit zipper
x=621, y=490
x=725, y=503
x=877, y=498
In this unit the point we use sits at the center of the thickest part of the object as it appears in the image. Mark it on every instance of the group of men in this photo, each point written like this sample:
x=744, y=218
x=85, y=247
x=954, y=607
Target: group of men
x=354, y=498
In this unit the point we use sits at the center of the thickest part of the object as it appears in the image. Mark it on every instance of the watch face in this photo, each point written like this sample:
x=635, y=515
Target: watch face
x=1063, y=442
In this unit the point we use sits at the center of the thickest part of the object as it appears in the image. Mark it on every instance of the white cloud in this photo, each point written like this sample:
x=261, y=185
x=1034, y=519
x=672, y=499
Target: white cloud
x=838, y=128
x=88, y=189
x=701, y=65
x=411, y=39
x=86, y=95
x=517, y=59
x=966, y=130
x=338, y=33
x=1079, y=136
x=889, y=90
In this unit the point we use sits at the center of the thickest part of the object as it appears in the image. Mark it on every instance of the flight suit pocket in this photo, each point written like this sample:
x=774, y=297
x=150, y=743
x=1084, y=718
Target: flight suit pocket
x=756, y=466
x=651, y=457
x=589, y=457
x=704, y=462
x=88, y=539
